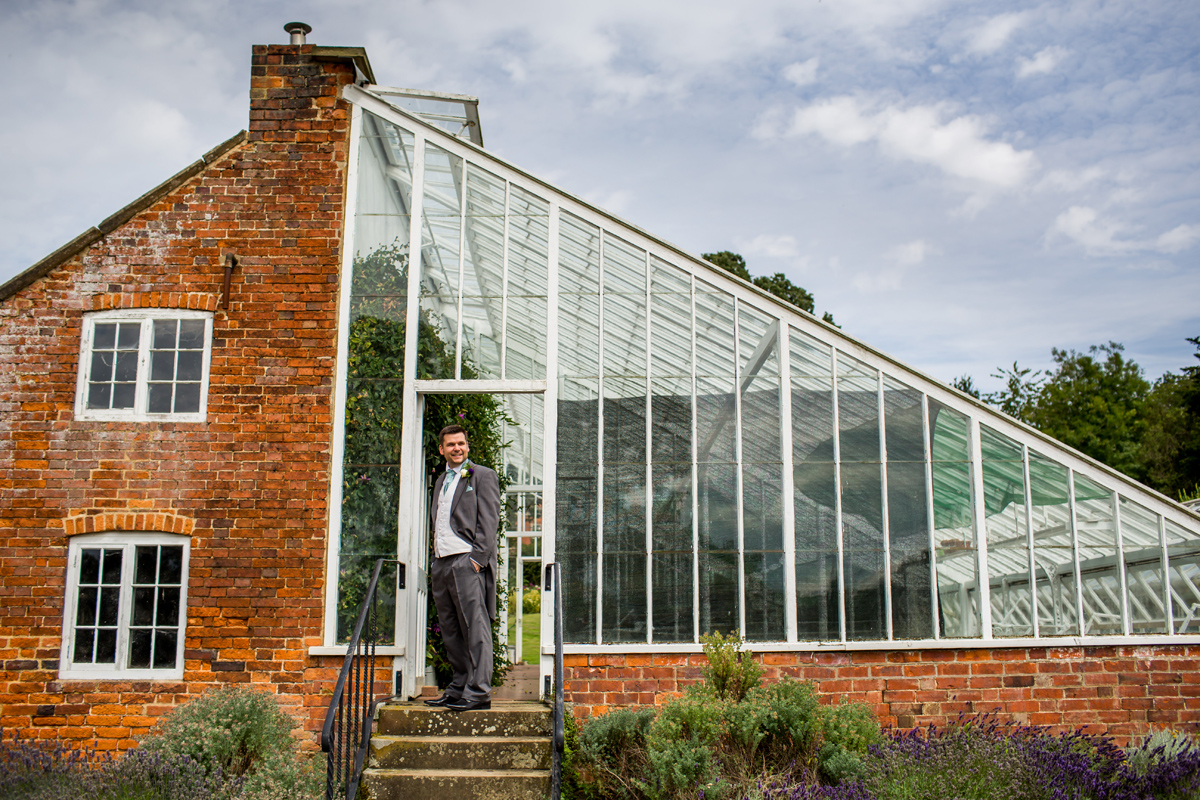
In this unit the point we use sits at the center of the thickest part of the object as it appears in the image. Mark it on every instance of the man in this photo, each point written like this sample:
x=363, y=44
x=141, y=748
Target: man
x=465, y=513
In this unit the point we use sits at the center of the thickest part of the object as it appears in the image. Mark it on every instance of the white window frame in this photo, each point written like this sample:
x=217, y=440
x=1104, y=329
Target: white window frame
x=139, y=412
x=68, y=670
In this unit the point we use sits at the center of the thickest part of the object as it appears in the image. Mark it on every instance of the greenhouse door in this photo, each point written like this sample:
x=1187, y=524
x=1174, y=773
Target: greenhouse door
x=521, y=428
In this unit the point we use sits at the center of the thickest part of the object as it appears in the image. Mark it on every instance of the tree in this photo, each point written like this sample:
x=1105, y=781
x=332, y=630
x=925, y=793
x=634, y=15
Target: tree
x=777, y=284
x=1021, y=392
x=1170, y=446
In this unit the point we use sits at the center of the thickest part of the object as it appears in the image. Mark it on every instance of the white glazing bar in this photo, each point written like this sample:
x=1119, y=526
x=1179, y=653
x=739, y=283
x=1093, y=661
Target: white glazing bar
x=1126, y=625
x=695, y=476
x=837, y=493
x=1075, y=550
x=553, y=245
x=1168, y=600
x=600, y=444
x=549, y=547
x=929, y=518
x=649, y=470
x=1033, y=599
x=789, y=489
x=737, y=443
x=460, y=348
x=410, y=548
x=983, y=581
x=340, y=390
x=883, y=491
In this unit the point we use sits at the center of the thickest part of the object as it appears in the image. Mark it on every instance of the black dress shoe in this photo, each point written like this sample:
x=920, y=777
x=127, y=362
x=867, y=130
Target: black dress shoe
x=470, y=705
x=444, y=700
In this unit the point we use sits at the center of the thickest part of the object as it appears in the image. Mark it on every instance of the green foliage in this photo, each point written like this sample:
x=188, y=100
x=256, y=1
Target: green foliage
x=614, y=747
x=1160, y=747
x=849, y=729
x=531, y=602
x=234, y=731
x=966, y=385
x=731, y=672
x=777, y=284
x=681, y=747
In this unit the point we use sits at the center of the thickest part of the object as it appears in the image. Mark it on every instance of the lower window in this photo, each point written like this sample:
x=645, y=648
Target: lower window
x=125, y=606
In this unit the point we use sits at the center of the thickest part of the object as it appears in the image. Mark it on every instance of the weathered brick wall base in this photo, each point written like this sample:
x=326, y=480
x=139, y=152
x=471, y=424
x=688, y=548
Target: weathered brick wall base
x=1121, y=691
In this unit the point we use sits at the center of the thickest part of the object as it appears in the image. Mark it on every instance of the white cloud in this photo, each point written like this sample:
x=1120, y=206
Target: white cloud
x=887, y=280
x=958, y=147
x=909, y=254
x=1045, y=61
x=995, y=33
x=771, y=246
x=802, y=73
x=1101, y=236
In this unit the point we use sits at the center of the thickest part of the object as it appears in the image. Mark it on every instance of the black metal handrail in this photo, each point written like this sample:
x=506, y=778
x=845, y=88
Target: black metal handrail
x=554, y=583
x=346, y=733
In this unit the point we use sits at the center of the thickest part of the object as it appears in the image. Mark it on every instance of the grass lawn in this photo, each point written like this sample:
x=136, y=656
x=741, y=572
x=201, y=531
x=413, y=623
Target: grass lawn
x=531, y=637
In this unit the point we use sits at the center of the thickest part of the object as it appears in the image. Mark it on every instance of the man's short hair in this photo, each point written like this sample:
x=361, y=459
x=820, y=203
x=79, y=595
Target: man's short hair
x=450, y=430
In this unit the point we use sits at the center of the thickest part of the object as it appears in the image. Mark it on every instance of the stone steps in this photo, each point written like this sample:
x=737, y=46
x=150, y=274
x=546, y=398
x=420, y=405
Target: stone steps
x=420, y=752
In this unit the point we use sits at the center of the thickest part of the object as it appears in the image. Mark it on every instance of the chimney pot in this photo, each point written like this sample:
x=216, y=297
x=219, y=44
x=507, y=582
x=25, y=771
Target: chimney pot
x=298, y=30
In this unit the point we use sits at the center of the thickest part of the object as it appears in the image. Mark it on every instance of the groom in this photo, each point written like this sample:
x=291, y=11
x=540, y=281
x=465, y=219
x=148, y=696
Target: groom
x=464, y=515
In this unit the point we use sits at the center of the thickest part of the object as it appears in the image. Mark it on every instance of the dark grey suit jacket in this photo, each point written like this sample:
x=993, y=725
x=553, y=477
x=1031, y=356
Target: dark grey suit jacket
x=475, y=516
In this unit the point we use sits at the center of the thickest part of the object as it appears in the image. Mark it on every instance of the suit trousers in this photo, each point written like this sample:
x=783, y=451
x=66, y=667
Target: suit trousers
x=462, y=608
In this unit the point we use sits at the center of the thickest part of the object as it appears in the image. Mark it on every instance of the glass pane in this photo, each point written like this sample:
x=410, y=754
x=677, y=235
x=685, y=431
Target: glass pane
x=106, y=646
x=858, y=410
x=99, y=395
x=624, y=596
x=672, y=508
x=354, y=578
x=112, y=567
x=671, y=420
x=1007, y=535
x=140, y=642
x=89, y=566
x=1145, y=587
x=145, y=568
x=576, y=515
x=1053, y=552
x=105, y=336
x=484, y=255
x=953, y=522
x=624, y=508
x=164, y=334
x=714, y=331
x=191, y=334
x=765, y=597
x=670, y=324
x=673, y=585
x=170, y=569
x=167, y=613
x=189, y=366
x=624, y=421
x=102, y=366
x=1097, y=555
x=716, y=412
x=762, y=502
x=579, y=334
x=382, y=214
x=110, y=602
x=162, y=365
x=761, y=424
x=625, y=339
x=1183, y=553
x=719, y=593
x=440, y=265
x=85, y=608
x=481, y=330
x=123, y=395
x=126, y=369
x=526, y=338
x=528, y=244
x=128, y=335
x=166, y=644
x=370, y=497
x=908, y=529
x=758, y=345
x=862, y=540
x=85, y=639
x=187, y=398
x=817, y=607
x=143, y=605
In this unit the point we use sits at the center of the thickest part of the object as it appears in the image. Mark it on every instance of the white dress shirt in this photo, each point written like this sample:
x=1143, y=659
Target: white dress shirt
x=445, y=541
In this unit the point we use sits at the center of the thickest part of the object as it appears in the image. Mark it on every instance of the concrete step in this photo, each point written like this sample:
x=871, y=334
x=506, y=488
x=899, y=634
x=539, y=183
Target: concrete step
x=459, y=784
x=505, y=718
x=461, y=752
x=521, y=683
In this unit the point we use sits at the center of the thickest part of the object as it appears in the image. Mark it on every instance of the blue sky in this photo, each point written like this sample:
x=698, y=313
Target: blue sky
x=962, y=184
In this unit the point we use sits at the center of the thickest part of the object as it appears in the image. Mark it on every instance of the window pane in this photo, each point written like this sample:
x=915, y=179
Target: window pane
x=89, y=566
x=624, y=508
x=526, y=342
x=862, y=539
x=528, y=237
x=624, y=421
x=912, y=591
x=719, y=593
x=140, y=642
x=106, y=646
x=85, y=608
x=758, y=345
x=670, y=320
x=717, y=511
x=123, y=395
x=112, y=567
x=672, y=507
x=576, y=506
x=105, y=336
x=671, y=420
x=191, y=334
x=187, y=398
x=764, y=597
x=160, y=398
x=110, y=600
x=625, y=337
x=143, y=605
x=145, y=565
x=85, y=639
x=170, y=569
x=953, y=522
x=714, y=331
x=716, y=413
x=673, y=585
x=1007, y=535
x=102, y=367
x=126, y=370
x=858, y=410
x=1053, y=552
x=1097, y=553
x=99, y=395
x=624, y=597
x=1145, y=586
x=162, y=365
x=1183, y=553
x=128, y=335
x=164, y=334
x=818, y=612
x=190, y=364
x=440, y=261
x=166, y=645
x=167, y=613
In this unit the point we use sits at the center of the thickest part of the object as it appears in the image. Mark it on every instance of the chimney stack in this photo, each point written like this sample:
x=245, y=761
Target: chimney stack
x=298, y=30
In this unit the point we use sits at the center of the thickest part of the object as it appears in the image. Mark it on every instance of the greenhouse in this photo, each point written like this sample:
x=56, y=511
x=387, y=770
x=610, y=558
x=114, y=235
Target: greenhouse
x=698, y=455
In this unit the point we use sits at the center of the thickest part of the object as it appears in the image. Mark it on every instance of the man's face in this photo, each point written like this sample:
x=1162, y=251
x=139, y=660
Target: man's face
x=454, y=448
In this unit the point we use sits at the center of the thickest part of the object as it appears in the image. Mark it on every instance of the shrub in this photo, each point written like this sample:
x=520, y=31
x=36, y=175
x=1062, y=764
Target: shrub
x=42, y=770
x=614, y=748
x=681, y=746
x=238, y=733
x=849, y=729
x=531, y=601
x=731, y=672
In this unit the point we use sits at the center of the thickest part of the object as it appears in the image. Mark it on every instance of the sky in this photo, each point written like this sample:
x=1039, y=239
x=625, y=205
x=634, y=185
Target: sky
x=961, y=184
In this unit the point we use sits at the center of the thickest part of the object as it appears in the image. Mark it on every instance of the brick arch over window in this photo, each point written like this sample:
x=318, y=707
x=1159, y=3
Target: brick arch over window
x=194, y=301
x=156, y=521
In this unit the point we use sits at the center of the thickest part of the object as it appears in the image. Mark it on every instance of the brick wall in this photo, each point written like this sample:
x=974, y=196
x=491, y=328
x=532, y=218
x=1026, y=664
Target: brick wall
x=1122, y=691
x=250, y=483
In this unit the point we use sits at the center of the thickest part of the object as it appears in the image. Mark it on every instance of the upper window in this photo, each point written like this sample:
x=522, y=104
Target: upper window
x=125, y=603
x=144, y=364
